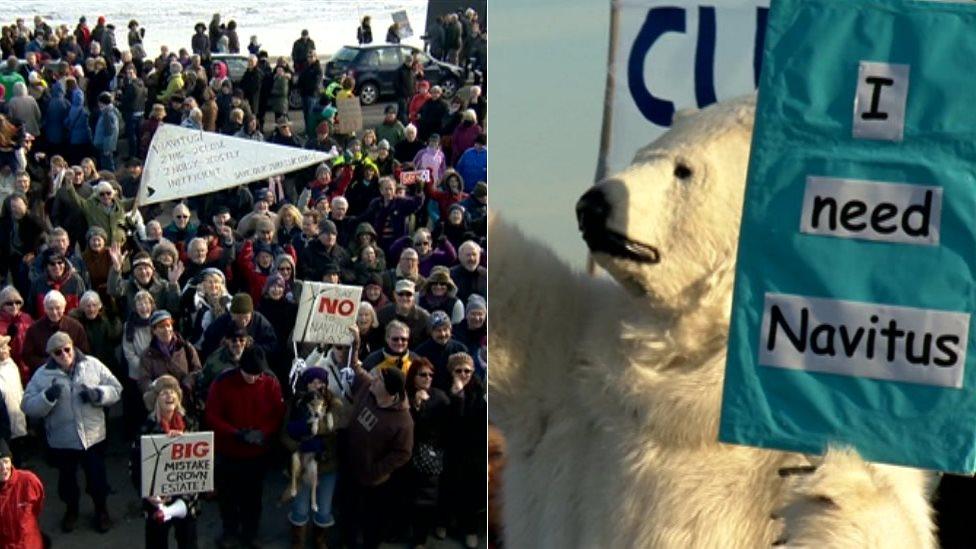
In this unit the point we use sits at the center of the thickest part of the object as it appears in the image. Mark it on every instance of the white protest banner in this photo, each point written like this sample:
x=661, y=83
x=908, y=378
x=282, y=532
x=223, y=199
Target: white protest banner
x=672, y=55
x=350, y=115
x=184, y=162
x=177, y=465
x=325, y=312
x=403, y=24
x=412, y=177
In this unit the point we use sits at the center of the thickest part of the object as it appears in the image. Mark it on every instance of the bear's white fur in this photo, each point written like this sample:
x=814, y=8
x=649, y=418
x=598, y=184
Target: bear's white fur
x=609, y=393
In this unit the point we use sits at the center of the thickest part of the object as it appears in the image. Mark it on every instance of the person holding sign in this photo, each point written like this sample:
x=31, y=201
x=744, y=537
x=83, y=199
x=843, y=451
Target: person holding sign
x=69, y=393
x=166, y=417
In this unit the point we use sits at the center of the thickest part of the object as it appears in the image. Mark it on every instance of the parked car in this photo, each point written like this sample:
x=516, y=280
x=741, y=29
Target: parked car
x=374, y=68
x=237, y=65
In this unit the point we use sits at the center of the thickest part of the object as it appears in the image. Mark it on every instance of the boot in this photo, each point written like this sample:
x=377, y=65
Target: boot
x=320, y=538
x=298, y=536
x=102, y=522
x=70, y=519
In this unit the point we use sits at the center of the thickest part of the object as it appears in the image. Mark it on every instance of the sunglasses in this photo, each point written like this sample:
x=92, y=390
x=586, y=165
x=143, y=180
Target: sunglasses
x=182, y=217
x=105, y=194
x=463, y=371
x=16, y=303
x=239, y=339
x=425, y=374
x=400, y=339
x=62, y=351
x=404, y=294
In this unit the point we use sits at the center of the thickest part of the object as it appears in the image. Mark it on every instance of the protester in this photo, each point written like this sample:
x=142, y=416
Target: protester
x=15, y=322
x=68, y=392
x=13, y=424
x=322, y=444
x=21, y=502
x=52, y=321
x=245, y=410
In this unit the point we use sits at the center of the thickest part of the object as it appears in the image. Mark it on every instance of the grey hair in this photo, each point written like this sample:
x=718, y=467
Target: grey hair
x=54, y=297
x=91, y=296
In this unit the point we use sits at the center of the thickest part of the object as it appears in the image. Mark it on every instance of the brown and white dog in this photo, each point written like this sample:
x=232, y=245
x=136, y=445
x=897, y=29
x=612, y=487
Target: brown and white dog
x=320, y=419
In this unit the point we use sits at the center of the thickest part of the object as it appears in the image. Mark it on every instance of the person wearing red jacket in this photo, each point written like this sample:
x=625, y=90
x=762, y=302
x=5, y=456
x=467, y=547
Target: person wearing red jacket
x=14, y=322
x=245, y=409
x=21, y=501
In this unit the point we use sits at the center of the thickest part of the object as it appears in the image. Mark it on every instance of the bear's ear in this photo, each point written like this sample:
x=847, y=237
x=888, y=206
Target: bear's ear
x=683, y=115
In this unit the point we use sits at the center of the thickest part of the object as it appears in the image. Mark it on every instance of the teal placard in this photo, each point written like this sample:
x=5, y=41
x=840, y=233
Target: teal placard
x=805, y=127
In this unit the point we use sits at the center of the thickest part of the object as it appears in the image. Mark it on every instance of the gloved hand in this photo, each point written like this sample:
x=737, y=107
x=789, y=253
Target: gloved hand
x=314, y=445
x=53, y=393
x=13, y=329
x=90, y=395
x=254, y=436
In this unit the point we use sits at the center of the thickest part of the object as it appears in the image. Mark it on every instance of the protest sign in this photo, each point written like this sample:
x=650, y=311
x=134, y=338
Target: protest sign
x=350, y=115
x=676, y=55
x=177, y=465
x=325, y=312
x=184, y=162
x=415, y=176
x=403, y=24
x=857, y=252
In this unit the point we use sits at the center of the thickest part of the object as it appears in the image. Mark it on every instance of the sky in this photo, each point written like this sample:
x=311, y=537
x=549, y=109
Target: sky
x=547, y=66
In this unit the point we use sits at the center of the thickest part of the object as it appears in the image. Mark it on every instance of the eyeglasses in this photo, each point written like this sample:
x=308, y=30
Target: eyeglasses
x=399, y=339
x=425, y=374
x=105, y=193
x=423, y=243
x=182, y=217
x=404, y=294
x=239, y=339
x=464, y=371
x=16, y=303
x=62, y=351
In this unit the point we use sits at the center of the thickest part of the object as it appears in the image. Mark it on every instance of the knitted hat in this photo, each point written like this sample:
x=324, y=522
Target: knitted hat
x=390, y=109
x=50, y=256
x=253, y=361
x=4, y=340
x=327, y=226
x=383, y=144
x=57, y=341
x=374, y=279
x=159, y=316
x=273, y=280
x=212, y=271
x=393, y=381
x=263, y=247
x=160, y=384
x=96, y=231
x=476, y=303
x=404, y=285
x=438, y=319
x=313, y=373
x=5, y=449
x=331, y=268
x=242, y=304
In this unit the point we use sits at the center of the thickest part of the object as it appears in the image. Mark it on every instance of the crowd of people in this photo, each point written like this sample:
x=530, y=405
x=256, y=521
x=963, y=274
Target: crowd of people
x=181, y=314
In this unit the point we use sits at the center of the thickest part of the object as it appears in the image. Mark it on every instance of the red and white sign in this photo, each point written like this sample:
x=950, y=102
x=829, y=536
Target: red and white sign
x=415, y=176
x=177, y=465
x=325, y=312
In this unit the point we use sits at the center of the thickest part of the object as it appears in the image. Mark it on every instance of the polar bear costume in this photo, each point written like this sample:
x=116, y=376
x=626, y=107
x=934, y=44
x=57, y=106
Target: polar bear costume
x=609, y=392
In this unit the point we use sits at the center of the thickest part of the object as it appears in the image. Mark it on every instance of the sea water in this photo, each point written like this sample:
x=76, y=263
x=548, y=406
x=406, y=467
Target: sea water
x=330, y=23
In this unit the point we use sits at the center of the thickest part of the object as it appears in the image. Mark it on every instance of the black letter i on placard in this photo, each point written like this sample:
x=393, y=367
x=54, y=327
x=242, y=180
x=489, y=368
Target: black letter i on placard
x=878, y=82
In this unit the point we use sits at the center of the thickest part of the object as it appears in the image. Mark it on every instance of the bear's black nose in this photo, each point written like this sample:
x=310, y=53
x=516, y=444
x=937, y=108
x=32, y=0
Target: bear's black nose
x=592, y=211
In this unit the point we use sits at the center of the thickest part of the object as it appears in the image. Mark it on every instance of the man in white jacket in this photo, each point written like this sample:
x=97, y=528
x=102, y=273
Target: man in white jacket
x=69, y=392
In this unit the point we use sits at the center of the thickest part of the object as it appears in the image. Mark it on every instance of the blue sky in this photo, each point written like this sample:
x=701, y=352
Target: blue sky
x=548, y=69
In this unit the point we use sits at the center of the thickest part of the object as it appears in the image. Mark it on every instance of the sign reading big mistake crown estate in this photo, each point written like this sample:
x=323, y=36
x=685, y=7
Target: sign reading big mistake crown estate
x=856, y=272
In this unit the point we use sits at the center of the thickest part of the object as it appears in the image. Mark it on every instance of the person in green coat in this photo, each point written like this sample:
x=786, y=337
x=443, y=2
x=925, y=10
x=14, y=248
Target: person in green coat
x=104, y=333
x=278, y=100
x=103, y=209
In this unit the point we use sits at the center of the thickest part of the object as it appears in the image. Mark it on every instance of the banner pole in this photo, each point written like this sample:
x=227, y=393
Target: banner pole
x=607, y=127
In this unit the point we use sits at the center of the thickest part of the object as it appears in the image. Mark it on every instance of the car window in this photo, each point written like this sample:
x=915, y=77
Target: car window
x=389, y=57
x=345, y=54
x=405, y=52
x=371, y=59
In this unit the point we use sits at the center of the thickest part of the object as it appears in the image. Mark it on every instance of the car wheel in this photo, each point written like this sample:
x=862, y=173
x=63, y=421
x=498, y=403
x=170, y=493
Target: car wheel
x=368, y=93
x=294, y=100
x=449, y=87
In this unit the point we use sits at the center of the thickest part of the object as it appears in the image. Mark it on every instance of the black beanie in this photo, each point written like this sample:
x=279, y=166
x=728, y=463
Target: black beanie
x=5, y=449
x=253, y=361
x=393, y=381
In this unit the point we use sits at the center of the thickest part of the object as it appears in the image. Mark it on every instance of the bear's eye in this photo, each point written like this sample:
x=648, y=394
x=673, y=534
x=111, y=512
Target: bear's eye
x=682, y=171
